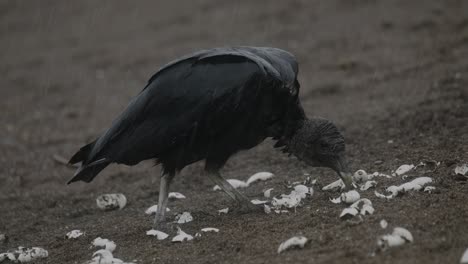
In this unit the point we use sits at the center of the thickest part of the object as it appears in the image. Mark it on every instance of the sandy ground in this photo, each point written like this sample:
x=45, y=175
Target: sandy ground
x=382, y=70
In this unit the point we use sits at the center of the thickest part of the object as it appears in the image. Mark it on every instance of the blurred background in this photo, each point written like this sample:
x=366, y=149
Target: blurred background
x=385, y=71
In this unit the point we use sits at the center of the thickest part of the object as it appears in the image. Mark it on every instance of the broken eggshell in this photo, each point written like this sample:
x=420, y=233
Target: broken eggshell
x=183, y=218
x=234, y=183
x=461, y=169
x=111, y=201
x=368, y=185
x=398, y=237
x=267, y=193
x=259, y=176
x=297, y=241
x=74, y=234
x=334, y=186
x=429, y=189
x=464, y=258
x=360, y=176
x=210, y=229
x=288, y=200
x=223, y=211
x=153, y=209
x=181, y=236
x=176, y=195
x=7, y=256
x=23, y=254
x=404, y=169
x=104, y=243
x=257, y=201
x=383, y=223
x=303, y=190
x=348, y=212
x=158, y=234
x=350, y=196
x=414, y=185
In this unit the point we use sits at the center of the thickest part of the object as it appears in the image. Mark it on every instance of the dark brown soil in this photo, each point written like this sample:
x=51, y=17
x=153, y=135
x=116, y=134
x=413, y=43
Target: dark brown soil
x=382, y=70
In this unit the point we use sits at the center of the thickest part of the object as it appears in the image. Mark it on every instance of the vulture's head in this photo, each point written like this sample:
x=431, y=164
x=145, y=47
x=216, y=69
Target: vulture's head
x=319, y=143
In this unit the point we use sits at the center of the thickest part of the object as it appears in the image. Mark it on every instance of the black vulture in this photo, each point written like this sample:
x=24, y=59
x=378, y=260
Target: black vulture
x=208, y=106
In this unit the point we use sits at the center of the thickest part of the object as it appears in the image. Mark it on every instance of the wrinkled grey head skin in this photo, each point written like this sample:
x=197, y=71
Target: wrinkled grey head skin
x=319, y=143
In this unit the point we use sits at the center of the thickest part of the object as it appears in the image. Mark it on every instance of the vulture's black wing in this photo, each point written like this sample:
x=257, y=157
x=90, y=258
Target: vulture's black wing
x=208, y=93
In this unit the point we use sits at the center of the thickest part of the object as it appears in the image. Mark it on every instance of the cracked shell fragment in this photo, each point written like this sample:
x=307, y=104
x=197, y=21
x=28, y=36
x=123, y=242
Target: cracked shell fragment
x=399, y=236
x=176, y=195
x=156, y=233
x=181, y=236
x=360, y=176
x=334, y=186
x=404, y=169
x=259, y=176
x=234, y=182
x=184, y=217
x=74, y=234
x=461, y=169
x=111, y=201
x=297, y=241
x=104, y=243
x=350, y=196
x=464, y=258
x=153, y=209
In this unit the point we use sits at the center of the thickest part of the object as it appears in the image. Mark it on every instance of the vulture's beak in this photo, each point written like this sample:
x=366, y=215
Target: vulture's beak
x=341, y=167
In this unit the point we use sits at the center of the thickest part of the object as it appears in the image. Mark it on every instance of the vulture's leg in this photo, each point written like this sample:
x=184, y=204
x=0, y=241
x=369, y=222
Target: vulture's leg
x=243, y=202
x=164, y=184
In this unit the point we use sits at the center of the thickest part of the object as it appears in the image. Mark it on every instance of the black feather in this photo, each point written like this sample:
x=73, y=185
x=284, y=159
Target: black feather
x=207, y=105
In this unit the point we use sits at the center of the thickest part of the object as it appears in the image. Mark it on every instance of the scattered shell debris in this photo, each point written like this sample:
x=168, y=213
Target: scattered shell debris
x=210, y=229
x=367, y=185
x=7, y=256
x=104, y=243
x=156, y=233
x=429, y=189
x=362, y=206
x=464, y=258
x=360, y=176
x=461, y=169
x=403, y=169
x=103, y=256
x=291, y=200
x=350, y=196
x=334, y=186
x=223, y=211
x=346, y=197
x=259, y=176
x=176, y=195
x=267, y=193
x=383, y=223
x=153, y=209
x=349, y=212
x=24, y=255
x=336, y=200
x=303, y=190
x=257, y=201
x=398, y=237
x=74, y=234
x=184, y=217
x=414, y=185
x=181, y=236
x=293, y=242
x=111, y=201
x=378, y=174
x=234, y=182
